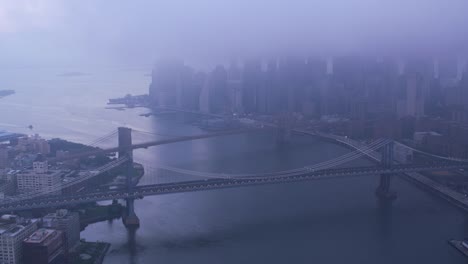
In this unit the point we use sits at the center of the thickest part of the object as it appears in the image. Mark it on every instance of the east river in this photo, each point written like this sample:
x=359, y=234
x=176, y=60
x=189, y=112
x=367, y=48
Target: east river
x=331, y=221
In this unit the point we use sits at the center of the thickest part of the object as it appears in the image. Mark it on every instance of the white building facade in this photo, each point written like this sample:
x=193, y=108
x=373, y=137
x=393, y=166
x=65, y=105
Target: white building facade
x=11, y=240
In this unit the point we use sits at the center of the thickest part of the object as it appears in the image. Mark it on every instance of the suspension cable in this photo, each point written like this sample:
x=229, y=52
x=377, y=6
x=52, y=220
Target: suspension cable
x=319, y=166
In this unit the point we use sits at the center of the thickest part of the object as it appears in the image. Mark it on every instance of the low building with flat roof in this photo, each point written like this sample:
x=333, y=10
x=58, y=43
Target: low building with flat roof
x=68, y=222
x=45, y=246
x=13, y=231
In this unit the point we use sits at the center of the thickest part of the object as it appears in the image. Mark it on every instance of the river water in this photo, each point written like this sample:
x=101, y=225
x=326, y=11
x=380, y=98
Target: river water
x=330, y=221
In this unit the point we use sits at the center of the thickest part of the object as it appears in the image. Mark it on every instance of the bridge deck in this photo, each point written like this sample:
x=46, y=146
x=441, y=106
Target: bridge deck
x=153, y=143
x=211, y=184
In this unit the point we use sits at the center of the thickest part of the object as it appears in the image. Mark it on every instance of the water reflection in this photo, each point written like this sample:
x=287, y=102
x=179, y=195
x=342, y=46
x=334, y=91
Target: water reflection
x=132, y=244
x=347, y=226
x=384, y=217
x=465, y=226
x=385, y=227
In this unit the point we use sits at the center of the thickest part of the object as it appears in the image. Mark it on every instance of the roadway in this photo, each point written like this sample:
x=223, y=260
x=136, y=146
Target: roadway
x=153, y=143
x=213, y=184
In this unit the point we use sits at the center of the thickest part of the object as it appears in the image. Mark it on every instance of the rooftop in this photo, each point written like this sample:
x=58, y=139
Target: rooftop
x=40, y=235
x=12, y=229
x=40, y=158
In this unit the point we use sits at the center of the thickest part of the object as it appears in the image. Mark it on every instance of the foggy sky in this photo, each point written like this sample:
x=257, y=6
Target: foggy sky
x=56, y=32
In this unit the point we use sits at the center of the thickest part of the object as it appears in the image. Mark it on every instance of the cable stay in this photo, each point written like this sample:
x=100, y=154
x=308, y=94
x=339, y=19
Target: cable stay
x=102, y=138
x=157, y=134
x=431, y=154
x=312, y=168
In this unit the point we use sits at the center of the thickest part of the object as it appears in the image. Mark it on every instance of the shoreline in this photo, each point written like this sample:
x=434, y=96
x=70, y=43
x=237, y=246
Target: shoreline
x=454, y=198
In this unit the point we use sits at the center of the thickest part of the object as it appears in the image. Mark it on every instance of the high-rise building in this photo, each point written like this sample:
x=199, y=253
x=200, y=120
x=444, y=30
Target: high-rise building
x=189, y=91
x=445, y=69
x=4, y=157
x=294, y=78
x=234, y=88
x=412, y=103
x=7, y=182
x=40, y=165
x=166, y=85
x=23, y=161
x=377, y=87
x=251, y=84
x=40, y=178
x=13, y=231
x=315, y=73
x=34, y=144
x=423, y=67
x=462, y=67
x=204, y=99
x=217, y=90
x=45, y=246
x=68, y=222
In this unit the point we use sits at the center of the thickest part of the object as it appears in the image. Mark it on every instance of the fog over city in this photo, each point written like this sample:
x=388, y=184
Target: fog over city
x=205, y=32
x=233, y=131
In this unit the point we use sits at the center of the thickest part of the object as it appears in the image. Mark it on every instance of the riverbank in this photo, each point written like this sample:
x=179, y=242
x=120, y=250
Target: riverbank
x=455, y=198
x=258, y=225
x=131, y=101
x=65, y=147
x=98, y=213
x=90, y=253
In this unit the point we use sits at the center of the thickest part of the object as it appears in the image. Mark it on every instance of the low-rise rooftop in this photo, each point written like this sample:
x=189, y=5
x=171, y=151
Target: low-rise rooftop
x=40, y=235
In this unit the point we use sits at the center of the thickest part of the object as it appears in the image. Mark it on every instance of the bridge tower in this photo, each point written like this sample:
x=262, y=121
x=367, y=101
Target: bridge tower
x=130, y=219
x=383, y=191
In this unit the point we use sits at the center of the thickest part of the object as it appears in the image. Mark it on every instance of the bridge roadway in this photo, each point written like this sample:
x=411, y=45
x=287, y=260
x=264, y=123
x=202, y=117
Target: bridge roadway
x=212, y=184
x=153, y=143
x=77, y=180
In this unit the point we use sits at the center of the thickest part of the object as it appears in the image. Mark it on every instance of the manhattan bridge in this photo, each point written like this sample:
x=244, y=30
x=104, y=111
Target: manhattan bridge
x=380, y=151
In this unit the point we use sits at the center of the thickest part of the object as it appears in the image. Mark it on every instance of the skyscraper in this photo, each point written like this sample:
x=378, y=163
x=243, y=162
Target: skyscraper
x=272, y=87
x=4, y=160
x=251, y=82
x=412, y=103
x=218, y=95
x=166, y=85
x=234, y=88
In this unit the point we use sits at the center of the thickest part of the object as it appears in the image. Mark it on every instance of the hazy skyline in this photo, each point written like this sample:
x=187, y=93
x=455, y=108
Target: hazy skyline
x=53, y=32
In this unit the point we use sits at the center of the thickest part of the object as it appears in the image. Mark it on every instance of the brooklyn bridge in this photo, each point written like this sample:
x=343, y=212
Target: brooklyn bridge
x=380, y=151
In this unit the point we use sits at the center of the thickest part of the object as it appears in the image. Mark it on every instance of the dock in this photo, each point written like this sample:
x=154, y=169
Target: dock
x=90, y=253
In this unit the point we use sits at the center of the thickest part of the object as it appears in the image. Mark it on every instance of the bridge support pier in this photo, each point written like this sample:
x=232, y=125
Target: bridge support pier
x=383, y=191
x=130, y=219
